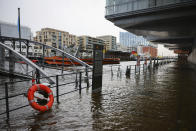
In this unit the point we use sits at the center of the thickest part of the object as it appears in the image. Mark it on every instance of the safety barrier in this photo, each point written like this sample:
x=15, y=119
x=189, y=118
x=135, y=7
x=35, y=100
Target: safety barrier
x=57, y=86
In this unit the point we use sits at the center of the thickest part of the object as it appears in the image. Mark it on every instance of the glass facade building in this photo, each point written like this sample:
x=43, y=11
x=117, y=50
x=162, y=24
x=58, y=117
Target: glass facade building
x=122, y=6
x=131, y=40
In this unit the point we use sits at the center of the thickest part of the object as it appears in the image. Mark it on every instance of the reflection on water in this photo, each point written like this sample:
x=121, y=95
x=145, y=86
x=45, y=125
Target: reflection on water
x=155, y=100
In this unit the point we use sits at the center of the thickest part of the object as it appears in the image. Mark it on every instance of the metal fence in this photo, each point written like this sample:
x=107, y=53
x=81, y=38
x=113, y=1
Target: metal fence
x=81, y=81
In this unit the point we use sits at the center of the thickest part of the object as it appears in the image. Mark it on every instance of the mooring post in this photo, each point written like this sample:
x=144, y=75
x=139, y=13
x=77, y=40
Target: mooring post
x=80, y=82
x=57, y=88
x=7, y=100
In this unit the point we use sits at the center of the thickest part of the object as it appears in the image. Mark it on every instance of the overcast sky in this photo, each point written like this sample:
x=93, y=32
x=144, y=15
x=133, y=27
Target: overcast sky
x=78, y=17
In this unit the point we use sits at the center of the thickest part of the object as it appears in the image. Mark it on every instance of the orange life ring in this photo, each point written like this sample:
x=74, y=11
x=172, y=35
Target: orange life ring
x=35, y=105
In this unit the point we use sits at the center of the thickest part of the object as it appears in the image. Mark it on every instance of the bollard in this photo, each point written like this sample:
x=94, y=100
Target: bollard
x=80, y=82
x=135, y=68
x=57, y=88
x=7, y=101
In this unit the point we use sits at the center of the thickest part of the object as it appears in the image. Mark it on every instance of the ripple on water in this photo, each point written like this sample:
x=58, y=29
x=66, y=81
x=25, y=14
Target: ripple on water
x=147, y=102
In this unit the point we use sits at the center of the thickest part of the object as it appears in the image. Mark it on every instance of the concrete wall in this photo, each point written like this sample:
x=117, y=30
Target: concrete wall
x=192, y=56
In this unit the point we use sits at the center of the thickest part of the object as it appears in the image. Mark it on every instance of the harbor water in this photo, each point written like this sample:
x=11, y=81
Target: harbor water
x=161, y=99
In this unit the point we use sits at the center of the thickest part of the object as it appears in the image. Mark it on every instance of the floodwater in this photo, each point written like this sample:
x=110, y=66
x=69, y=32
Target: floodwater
x=161, y=99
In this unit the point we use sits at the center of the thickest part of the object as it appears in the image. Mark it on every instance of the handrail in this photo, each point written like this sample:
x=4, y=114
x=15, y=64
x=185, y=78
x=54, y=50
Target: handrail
x=28, y=61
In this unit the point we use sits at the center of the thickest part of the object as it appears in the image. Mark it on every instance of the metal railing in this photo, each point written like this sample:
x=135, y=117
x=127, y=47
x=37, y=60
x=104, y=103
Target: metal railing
x=78, y=82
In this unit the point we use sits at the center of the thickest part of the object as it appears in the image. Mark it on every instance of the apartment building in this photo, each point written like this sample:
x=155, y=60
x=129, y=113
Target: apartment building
x=109, y=42
x=87, y=43
x=55, y=38
x=150, y=50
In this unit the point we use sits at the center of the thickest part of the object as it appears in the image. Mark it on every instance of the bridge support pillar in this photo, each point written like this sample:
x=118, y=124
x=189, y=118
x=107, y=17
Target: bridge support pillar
x=2, y=58
x=192, y=56
x=11, y=62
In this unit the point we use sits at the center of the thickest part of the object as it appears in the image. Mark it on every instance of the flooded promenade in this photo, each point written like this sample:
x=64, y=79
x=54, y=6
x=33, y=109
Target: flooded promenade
x=160, y=99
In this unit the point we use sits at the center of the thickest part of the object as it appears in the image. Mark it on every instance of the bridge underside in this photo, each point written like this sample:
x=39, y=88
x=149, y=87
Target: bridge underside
x=172, y=25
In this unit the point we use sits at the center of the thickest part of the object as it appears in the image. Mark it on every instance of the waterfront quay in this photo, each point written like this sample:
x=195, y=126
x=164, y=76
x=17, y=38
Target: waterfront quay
x=160, y=98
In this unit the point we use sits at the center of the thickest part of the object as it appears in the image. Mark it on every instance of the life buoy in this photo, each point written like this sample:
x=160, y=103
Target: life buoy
x=36, y=106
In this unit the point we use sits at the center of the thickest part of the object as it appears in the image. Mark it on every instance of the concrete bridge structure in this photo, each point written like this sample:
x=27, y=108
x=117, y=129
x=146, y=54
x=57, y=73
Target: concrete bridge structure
x=168, y=22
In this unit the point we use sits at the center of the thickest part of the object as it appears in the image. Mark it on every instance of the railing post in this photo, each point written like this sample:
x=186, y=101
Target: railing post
x=130, y=69
x=143, y=67
x=80, y=82
x=127, y=72
x=76, y=81
x=87, y=80
x=57, y=88
x=7, y=101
